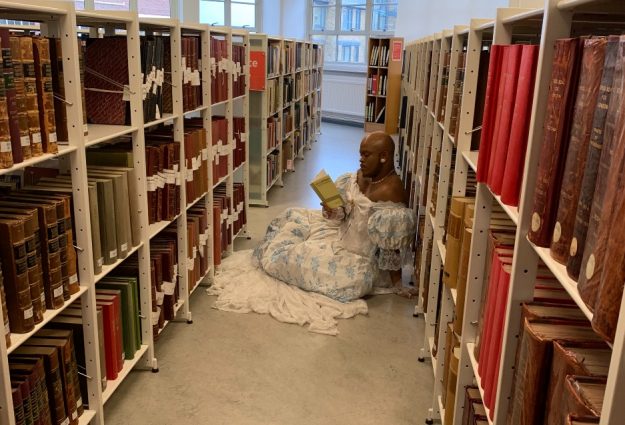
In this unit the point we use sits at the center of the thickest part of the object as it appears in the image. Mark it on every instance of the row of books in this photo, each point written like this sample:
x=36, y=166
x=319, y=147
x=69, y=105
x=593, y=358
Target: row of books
x=474, y=410
x=505, y=122
x=238, y=201
x=379, y=54
x=220, y=67
x=196, y=154
x=376, y=85
x=456, y=100
x=289, y=58
x=302, y=84
x=191, y=74
x=222, y=223
x=287, y=122
x=273, y=131
x=238, y=72
x=272, y=92
x=288, y=90
x=27, y=107
x=576, y=209
x=372, y=114
x=315, y=79
x=273, y=58
x=221, y=147
x=198, y=232
x=38, y=256
x=273, y=167
x=444, y=84
x=301, y=58
x=240, y=139
x=288, y=155
x=317, y=55
x=153, y=72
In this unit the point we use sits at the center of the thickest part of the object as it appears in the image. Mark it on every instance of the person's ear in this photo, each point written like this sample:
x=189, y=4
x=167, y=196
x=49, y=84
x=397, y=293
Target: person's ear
x=383, y=157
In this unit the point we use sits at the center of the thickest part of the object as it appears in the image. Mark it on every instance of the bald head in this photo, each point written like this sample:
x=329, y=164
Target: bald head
x=377, y=151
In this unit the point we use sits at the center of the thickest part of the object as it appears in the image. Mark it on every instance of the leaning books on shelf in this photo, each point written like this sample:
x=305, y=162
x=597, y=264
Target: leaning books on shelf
x=380, y=116
x=326, y=190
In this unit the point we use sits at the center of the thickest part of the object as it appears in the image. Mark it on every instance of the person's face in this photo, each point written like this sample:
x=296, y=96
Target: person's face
x=369, y=160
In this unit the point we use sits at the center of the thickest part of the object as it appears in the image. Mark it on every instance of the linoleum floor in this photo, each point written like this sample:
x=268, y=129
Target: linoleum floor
x=240, y=369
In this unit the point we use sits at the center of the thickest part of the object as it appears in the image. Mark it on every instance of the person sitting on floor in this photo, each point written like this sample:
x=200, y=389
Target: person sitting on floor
x=348, y=252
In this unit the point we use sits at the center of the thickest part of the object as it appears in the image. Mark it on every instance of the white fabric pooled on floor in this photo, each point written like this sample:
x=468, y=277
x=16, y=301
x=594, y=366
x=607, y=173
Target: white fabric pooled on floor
x=243, y=288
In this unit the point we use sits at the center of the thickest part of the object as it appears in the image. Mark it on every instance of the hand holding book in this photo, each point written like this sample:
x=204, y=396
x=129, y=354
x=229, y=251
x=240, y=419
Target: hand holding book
x=327, y=191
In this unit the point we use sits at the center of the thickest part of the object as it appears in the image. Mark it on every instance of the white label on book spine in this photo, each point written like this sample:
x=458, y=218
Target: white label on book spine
x=52, y=137
x=205, y=154
x=160, y=296
x=126, y=95
x=65, y=422
x=58, y=292
x=155, y=315
x=124, y=247
x=29, y=313
x=113, y=253
x=25, y=141
x=189, y=175
x=100, y=261
x=160, y=77
x=194, y=252
x=74, y=415
x=43, y=298
x=195, y=78
x=73, y=278
x=79, y=402
x=175, y=270
x=5, y=146
x=168, y=288
x=36, y=138
x=151, y=184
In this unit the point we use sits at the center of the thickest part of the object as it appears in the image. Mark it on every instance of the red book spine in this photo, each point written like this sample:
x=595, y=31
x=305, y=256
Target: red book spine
x=515, y=158
x=490, y=103
x=491, y=300
x=502, y=137
x=110, y=341
x=503, y=72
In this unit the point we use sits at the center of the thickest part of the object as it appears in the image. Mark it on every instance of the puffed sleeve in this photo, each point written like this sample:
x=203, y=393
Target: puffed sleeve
x=392, y=230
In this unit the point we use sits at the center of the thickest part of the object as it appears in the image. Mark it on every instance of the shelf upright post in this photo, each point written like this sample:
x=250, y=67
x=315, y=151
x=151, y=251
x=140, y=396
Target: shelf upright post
x=138, y=154
x=463, y=143
x=556, y=24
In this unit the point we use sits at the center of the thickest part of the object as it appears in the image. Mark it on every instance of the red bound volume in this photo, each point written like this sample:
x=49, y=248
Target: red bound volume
x=490, y=104
x=560, y=101
x=586, y=100
x=489, y=314
x=501, y=133
x=515, y=157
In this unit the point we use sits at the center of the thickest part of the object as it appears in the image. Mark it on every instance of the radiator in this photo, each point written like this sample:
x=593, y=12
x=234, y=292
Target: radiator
x=343, y=97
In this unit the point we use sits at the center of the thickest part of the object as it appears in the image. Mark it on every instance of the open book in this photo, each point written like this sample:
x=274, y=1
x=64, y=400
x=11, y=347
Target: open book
x=326, y=190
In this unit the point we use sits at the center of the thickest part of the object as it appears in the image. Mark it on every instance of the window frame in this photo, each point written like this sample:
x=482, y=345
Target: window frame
x=258, y=14
x=367, y=32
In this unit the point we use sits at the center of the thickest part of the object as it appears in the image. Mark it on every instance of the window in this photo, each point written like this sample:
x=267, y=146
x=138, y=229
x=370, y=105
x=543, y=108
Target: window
x=155, y=8
x=344, y=26
x=149, y=8
x=236, y=13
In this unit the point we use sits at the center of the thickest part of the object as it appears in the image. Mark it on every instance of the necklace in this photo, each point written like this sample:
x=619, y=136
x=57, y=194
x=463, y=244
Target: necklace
x=383, y=178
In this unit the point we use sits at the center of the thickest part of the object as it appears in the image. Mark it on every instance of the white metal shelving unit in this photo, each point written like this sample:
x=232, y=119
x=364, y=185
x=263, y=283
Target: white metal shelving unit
x=60, y=20
x=422, y=138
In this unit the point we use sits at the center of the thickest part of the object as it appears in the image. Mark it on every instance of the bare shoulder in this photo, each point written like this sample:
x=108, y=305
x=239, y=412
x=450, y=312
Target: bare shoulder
x=392, y=190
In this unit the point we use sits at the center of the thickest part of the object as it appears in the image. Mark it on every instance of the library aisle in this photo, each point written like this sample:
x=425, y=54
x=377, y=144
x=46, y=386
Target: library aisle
x=234, y=369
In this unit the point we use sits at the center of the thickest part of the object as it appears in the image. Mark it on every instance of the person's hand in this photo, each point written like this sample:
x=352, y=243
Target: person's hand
x=332, y=213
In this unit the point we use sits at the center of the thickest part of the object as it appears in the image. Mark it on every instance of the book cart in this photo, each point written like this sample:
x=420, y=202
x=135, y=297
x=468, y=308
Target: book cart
x=285, y=110
x=435, y=163
x=60, y=20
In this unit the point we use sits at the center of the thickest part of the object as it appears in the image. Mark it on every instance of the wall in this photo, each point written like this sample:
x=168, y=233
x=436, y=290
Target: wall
x=272, y=17
x=294, y=20
x=418, y=18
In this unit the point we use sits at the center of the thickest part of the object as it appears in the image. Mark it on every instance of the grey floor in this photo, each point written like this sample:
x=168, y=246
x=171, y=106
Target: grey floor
x=233, y=369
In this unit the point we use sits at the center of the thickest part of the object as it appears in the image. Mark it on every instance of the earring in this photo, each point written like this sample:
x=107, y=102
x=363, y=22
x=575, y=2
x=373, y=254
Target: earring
x=382, y=160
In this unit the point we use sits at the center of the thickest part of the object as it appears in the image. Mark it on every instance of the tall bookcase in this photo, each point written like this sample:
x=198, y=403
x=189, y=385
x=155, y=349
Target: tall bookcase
x=285, y=109
x=60, y=20
x=436, y=164
x=383, y=87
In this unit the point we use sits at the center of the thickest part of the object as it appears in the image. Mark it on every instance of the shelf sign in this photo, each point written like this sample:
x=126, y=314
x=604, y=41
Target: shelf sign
x=257, y=71
x=397, y=50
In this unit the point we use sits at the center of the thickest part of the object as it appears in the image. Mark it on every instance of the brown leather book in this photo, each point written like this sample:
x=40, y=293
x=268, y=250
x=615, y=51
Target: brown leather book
x=15, y=274
x=607, y=188
x=5, y=312
x=65, y=351
x=106, y=74
x=52, y=366
x=573, y=358
x=455, y=230
x=6, y=156
x=472, y=395
x=581, y=420
x=593, y=157
x=583, y=395
x=561, y=98
x=533, y=363
x=50, y=250
x=45, y=94
x=32, y=371
x=593, y=57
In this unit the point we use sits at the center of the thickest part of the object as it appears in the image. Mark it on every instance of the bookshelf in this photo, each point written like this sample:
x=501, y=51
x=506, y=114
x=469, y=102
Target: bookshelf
x=285, y=109
x=436, y=161
x=383, y=84
x=191, y=101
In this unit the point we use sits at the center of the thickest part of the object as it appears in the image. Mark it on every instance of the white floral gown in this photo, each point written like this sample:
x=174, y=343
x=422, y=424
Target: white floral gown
x=343, y=260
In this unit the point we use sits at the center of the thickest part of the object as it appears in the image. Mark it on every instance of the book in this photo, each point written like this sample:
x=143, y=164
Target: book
x=326, y=190
x=561, y=99
x=519, y=127
x=584, y=395
x=611, y=74
x=592, y=61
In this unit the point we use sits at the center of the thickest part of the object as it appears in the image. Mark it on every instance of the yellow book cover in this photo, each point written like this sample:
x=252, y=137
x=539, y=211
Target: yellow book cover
x=326, y=190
